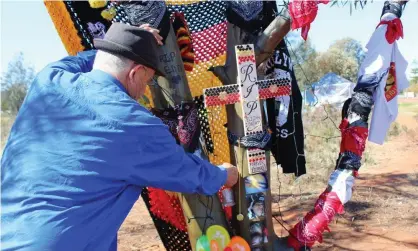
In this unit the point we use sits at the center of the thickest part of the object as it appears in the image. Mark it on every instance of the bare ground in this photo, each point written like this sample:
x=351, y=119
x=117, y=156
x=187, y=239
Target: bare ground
x=382, y=215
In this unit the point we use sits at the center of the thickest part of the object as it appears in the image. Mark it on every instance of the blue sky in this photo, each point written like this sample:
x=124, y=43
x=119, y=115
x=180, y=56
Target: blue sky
x=27, y=27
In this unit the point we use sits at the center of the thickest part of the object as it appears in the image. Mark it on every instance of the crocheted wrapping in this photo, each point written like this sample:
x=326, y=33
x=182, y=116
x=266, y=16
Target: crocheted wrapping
x=204, y=123
x=65, y=26
x=210, y=43
x=88, y=21
x=201, y=15
x=172, y=237
x=184, y=41
x=167, y=208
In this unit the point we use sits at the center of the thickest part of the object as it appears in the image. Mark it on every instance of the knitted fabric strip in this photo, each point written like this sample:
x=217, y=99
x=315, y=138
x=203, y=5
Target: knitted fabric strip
x=172, y=237
x=204, y=123
x=209, y=43
x=201, y=15
x=167, y=208
x=65, y=26
x=88, y=21
x=184, y=41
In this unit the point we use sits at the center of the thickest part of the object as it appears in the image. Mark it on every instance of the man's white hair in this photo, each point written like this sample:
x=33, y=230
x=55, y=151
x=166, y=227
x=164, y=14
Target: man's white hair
x=112, y=63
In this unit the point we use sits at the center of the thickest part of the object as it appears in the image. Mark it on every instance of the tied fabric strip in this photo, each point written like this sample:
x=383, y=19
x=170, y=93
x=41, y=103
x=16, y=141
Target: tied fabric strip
x=183, y=124
x=303, y=13
x=227, y=210
x=310, y=229
x=188, y=127
x=353, y=138
x=348, y=161
x=259, y=140
x=394, y=30
x=341, y=181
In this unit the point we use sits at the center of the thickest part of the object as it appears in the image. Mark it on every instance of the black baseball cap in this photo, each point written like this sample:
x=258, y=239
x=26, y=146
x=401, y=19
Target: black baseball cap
x=131, y=42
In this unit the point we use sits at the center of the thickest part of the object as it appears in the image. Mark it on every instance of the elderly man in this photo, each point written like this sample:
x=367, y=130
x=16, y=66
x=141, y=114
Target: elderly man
x=82, y=148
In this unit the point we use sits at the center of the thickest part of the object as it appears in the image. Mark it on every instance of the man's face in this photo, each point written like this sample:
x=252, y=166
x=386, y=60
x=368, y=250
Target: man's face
x=139, y=77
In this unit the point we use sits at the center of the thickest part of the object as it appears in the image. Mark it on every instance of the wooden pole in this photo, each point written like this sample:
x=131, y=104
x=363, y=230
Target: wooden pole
x=167, y=94
x=265, y=45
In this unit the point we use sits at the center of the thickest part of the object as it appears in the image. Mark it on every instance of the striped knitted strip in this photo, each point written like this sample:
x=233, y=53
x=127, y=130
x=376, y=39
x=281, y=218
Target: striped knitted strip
x=184, y=41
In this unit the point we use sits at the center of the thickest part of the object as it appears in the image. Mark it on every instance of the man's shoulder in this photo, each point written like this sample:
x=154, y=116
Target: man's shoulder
x=103, y=100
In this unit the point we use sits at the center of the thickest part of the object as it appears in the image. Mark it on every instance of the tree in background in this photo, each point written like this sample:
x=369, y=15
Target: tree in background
x=304, y=58
x=351, y=47
x=413, y=83
x=414, y=72
x=343, y=57
x=15, y=83
x=340, y=61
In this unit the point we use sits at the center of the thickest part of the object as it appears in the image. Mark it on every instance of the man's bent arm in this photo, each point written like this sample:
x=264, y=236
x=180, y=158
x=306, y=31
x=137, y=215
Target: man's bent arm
x=164, y=164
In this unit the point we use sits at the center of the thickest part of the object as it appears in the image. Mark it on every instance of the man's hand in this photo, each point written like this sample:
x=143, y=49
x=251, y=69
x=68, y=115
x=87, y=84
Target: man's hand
x=232, y=173
x=154, y=32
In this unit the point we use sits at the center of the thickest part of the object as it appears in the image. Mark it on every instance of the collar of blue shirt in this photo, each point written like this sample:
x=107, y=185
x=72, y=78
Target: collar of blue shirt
x=101, y=76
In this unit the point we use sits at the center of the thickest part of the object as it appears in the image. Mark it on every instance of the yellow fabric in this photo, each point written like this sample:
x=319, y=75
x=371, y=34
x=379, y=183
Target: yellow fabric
x=64, y=25
x=97, y=3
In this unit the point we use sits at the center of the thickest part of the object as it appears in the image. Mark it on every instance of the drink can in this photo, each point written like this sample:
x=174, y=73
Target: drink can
x=228, y=197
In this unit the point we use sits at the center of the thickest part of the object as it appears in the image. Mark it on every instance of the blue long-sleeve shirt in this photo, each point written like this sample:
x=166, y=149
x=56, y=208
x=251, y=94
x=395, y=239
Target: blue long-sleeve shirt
x=77, y=157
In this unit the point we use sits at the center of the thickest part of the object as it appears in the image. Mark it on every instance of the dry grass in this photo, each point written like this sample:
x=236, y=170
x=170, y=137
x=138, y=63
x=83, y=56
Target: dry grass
x=322, y=145
x=6, y=124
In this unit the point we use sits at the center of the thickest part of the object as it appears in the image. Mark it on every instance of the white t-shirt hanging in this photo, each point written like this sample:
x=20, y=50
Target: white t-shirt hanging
x=384, y=57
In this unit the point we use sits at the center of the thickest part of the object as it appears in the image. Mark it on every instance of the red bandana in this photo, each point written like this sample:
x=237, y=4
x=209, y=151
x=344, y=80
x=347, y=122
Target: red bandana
x=303, y=13
x=353, y=139
x=394, y=30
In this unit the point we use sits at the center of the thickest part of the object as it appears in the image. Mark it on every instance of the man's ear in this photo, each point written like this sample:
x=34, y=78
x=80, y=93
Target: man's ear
x=133, y=71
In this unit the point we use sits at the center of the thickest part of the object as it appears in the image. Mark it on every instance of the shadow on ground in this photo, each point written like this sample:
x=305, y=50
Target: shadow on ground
x=382, y=215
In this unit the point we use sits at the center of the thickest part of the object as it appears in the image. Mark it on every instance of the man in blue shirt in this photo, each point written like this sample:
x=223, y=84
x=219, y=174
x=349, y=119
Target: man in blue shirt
x=82, y=148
